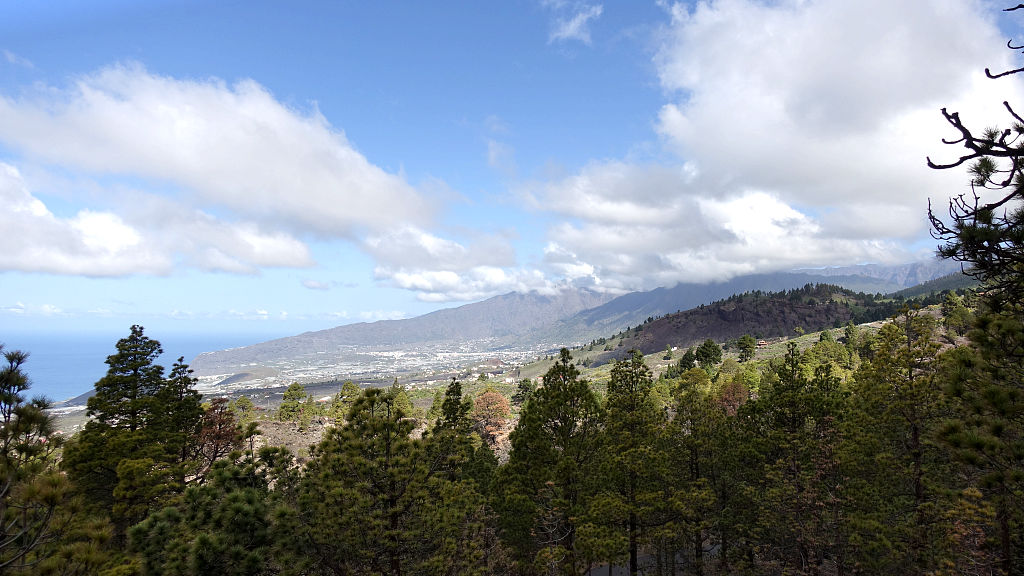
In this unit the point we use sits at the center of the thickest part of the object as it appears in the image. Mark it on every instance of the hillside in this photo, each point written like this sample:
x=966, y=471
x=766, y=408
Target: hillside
x=813, y=307
x=955, y=281
x=632, y=309
x=513, y=326
x=501, y=321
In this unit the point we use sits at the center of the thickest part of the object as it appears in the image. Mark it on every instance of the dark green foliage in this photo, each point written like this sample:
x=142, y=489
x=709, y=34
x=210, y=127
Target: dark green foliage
x=179, y=414
x=708, y=354
x=867, y=455
x=987, y=380
x=293, y=403
x=688, y=360
x=33, y=494
x=897, y=477
x=796, y=421
x=632, y=466
x=450, y=446
x=524, y=389
x=372, y=501
x=126, y=398
x=220, y=527
x=984, y=231
x=541, y=491
x=344, y=399
x=747, y=345
x=455, y=409
x=135, y=451
x=706, y=499
x=402, y=400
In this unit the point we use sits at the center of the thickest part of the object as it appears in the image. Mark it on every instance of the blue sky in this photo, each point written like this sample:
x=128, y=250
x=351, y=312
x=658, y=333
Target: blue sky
x=274, y=168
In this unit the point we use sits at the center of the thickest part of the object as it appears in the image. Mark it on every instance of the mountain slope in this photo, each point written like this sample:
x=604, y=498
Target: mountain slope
x=762, y=315
x=511, y=322
x=500, y=320
x=634, y=308
x=903, y=276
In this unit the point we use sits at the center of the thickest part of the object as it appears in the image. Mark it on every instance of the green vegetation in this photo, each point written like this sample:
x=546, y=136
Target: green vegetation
x=882, y=450
x=896, y=448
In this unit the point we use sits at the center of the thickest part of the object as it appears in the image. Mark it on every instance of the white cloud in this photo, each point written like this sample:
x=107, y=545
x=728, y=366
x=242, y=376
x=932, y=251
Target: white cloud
x=501, y=157
x=316, y=284
x=149, y=238
x=50, y=310
x=795, y=135
x=229, y=147
x=407, y=247
x=475, y=283
x=443, y=270
x=826, y=103
x=16, y=60
x=90, y=243
x=375, y=315
x=572, y=21
x=196, y=173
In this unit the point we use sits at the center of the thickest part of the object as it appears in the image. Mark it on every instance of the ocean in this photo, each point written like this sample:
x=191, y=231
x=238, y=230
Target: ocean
x=62, y=366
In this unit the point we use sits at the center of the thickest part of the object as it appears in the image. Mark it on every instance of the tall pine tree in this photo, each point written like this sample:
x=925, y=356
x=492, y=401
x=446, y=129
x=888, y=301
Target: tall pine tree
x=542, y=490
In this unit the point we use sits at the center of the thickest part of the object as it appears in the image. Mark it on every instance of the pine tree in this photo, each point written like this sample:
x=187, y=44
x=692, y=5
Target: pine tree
x=542, y=489
x=747, y=346
x=633, y=465
x=986, y=379
x=370, y=502
x=32, y=491
x=126, y=397
x=291, y=407
x=131, y=455
x=896, y=477
x=708, y=354
x=179, y=416
x=797, y=424
x=223, y=526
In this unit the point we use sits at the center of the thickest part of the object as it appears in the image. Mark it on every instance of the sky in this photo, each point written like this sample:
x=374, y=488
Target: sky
x=273, y=168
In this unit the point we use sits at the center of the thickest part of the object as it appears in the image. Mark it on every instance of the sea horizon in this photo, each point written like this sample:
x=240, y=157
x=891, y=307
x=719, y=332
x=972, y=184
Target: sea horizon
x=64, y=365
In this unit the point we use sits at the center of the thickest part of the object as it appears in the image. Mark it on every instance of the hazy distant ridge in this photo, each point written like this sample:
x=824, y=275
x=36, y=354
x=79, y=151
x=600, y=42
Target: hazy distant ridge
x=534, y=320
x=504, y=319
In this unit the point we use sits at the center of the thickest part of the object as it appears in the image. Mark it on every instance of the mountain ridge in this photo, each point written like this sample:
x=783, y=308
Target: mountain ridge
x=523, y=321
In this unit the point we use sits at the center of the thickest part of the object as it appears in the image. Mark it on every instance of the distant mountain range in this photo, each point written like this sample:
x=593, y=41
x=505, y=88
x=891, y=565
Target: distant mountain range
x=537, y=321
x=499, y=321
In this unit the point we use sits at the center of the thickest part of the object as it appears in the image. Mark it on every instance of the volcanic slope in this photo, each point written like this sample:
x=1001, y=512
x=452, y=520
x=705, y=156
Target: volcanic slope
x=812, y=308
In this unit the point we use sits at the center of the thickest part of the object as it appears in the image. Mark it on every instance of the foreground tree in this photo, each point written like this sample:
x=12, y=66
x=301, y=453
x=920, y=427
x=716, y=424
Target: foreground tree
x=540, y=492
x=632, y=465
x=32, y=491
x=371, y=501
x=747, y=345
x=223, y=526
x=985, y=230
x=987, y=380
x=708, y=354
x=796, y=420
x=132, y=454
x=897, y=477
